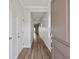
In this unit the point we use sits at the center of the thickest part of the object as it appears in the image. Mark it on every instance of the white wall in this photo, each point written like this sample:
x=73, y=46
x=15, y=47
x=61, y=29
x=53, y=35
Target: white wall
x=27, y=30
x=45, y=30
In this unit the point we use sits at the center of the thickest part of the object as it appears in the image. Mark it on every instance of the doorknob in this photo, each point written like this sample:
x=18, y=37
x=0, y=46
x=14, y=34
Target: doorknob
x=10, y=38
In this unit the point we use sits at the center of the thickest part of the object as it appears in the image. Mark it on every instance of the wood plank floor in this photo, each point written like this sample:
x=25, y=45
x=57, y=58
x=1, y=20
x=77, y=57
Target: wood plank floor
x=37, y=51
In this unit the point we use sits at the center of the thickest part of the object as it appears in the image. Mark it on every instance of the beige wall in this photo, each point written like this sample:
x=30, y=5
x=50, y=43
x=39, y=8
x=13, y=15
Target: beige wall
x=60, y=28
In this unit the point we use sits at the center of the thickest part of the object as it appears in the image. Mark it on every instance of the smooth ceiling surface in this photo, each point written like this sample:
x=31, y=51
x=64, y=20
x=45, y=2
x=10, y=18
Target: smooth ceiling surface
x=37, y=16
x=34, y=2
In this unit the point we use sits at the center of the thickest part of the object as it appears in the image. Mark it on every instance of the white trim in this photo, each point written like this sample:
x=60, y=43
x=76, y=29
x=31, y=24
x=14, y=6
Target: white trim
x=24, y=6
x=36, y=7
x=39, y=10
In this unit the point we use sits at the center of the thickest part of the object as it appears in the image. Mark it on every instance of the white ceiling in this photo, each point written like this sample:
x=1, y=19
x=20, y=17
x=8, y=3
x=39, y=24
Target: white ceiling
x=34, y=2
x=37, y=16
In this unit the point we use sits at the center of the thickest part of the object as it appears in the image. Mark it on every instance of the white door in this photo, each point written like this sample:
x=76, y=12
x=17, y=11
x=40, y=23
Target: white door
x=14, y=32
x=19, y=34
x=16, y=35
x=12, y=35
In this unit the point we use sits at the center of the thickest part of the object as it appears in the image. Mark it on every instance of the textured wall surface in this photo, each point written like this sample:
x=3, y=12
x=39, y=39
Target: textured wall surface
x=60, y=25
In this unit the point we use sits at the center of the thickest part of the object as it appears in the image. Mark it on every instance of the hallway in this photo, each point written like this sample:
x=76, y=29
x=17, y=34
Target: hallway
x=37, y=51
x=49, y=20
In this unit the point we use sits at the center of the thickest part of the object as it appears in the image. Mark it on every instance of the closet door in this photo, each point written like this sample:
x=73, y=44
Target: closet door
x=60, y=29
x=10, y=32
x=19, y=34
x=14, y=35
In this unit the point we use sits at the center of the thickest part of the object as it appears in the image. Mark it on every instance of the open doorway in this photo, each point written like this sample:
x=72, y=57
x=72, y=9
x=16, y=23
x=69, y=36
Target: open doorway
x=41, y=20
